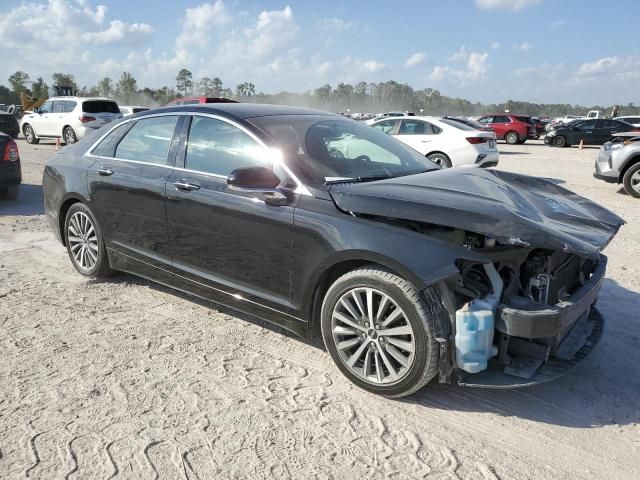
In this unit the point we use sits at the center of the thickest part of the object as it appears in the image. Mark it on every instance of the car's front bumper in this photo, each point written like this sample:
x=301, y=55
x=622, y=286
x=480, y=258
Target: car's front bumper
x=603, y=168
x=571, y=328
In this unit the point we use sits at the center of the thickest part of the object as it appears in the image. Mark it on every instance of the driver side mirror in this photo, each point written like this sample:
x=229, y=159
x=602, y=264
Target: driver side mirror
x=258, y=180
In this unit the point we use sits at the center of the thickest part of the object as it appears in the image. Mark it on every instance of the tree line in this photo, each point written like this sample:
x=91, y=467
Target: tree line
x=362, y=97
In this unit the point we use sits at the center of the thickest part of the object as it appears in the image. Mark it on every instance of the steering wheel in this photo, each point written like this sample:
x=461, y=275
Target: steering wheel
x=364, y=158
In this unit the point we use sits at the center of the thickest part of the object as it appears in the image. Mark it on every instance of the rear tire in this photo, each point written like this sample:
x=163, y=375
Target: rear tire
x=631, y=181
x=30, y=135
x=69, y=136
x=441, y=159
x=392, y=340
x=10, y=192
x=85, y=244
x=560, y=141
x=512, y=138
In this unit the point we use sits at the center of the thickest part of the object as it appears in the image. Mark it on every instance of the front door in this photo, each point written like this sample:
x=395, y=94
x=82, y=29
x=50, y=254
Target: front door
x=231, y=241
x=127, y=187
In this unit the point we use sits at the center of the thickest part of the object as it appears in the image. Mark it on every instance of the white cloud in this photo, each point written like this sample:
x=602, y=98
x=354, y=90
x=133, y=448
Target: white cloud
x=559, y=24
x=337, y=24
x=119, y=32
x=495, y=45
x=600, y=66
x=544, y=71
x=199, y=22
x=514, y=5
x=369, y=65
x=415, y=59
x=524, y=46
x=477, y=67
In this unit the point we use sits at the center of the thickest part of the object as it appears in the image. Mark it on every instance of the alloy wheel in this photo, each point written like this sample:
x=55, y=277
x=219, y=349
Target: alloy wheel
x=28, y=134
x=635, y=181
x=373, y=336
x=83, y=241
x=69, y=136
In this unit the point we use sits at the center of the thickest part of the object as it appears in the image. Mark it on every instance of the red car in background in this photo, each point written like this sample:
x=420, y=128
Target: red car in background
x=513, y=129
x=196, y=100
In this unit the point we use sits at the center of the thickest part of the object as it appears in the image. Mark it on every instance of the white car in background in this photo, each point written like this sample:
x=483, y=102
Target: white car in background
x=446, y=142
x=71, y=118
x=128, y=110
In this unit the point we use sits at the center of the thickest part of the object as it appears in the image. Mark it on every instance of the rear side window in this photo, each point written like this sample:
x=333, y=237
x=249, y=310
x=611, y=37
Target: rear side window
x=148, y=141
x=58, y=107
x=218, y=147
x=414, y=127
x=69, y=106
x=100, y=106
x=107, y=146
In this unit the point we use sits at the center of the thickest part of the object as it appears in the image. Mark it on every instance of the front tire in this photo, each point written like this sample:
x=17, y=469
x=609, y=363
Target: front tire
x=10, y=192
x=631, y=181
x=560, y=141
x=30, y=135
x=378, y=331
x=512, y=138
x=85, y=244
x=69, y=136
x=440, y=159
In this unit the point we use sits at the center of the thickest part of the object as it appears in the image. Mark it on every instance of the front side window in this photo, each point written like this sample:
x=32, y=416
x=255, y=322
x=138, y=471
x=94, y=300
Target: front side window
x=107, y=146
x=586, y=125
x=148, y=140
x=218, y=147
x=319, y=148
x=386, y=126
x=46, y=107
x=485, y=120
x=501, y=119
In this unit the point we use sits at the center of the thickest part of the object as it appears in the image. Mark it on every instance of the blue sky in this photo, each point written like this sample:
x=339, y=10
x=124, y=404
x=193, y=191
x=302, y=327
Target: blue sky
x=568, y=51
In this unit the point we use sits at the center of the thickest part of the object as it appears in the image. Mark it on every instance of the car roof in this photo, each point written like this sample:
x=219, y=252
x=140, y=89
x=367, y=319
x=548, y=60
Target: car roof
x=80, y=99
x=245, y=110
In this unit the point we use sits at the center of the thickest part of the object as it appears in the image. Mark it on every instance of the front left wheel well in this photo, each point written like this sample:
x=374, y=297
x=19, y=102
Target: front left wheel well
x=325, y=280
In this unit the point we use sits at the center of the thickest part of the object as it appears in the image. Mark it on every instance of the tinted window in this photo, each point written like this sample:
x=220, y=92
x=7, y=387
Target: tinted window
x=501, y=119
x=46, y=107
x=609, y=124
x=107, y=146
x=148, y=140
x=414, y=127
x=459, y=124
x=218, y=147
x=69, y=106
x=100, y=106
x=521, y=118
x=58, y=107
x=386, y=126
x=586, y=124
x=137, y=110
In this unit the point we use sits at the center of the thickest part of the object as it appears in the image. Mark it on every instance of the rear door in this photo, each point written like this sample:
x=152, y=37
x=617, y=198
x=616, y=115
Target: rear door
x=231, y=241
x=127, y=186
x=418, y=134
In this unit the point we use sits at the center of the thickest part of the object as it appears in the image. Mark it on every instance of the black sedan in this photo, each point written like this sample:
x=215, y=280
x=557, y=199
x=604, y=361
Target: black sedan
x=331, y=228
x=10, y=170
x=589, y=132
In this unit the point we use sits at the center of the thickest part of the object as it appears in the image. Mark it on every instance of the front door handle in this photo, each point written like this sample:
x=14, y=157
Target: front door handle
x=105, y=172
x=186, y=186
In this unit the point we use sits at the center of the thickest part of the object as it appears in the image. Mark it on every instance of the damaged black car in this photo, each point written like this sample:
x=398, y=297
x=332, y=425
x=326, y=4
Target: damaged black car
x=330, y=228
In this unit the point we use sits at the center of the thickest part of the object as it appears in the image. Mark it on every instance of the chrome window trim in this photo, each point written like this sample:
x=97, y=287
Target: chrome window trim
x=300, y=189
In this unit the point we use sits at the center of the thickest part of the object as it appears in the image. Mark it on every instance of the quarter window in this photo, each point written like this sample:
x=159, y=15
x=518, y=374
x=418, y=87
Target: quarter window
x=148, y=140
x=218, y=148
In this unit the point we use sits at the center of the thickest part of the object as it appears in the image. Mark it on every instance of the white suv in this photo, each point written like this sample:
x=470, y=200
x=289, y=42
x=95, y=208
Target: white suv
x=68, y=117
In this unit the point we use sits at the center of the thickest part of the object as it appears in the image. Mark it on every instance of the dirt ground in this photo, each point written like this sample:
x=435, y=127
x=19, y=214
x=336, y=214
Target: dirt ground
x=125, y=379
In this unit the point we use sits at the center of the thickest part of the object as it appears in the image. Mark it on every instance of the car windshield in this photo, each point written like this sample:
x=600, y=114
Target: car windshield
x=323, y=149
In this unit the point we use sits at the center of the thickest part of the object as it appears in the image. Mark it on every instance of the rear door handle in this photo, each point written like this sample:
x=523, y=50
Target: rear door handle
x=186, y=186
x=105, y=172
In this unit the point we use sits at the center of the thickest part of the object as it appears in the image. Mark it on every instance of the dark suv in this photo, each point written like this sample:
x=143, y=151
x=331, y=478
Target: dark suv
x=513, y=129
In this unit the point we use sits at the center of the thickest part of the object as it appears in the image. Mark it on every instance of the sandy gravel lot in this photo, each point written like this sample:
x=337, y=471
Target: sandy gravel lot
x=126, y=379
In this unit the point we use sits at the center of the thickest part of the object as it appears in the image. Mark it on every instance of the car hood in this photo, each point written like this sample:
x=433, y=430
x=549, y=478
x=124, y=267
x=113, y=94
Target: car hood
x=511, y=208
